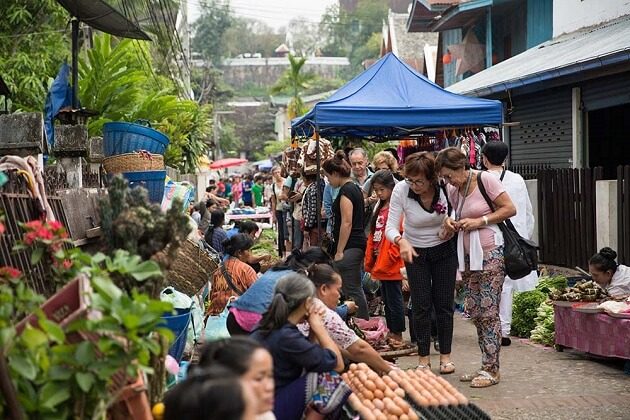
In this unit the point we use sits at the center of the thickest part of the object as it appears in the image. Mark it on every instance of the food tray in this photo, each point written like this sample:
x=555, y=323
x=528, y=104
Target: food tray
x=587, y=308
x=622, y=315
x=392, y=354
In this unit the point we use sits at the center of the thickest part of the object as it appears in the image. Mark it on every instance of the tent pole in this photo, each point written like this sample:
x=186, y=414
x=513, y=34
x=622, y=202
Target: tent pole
x=318, y=180
x=75, y=63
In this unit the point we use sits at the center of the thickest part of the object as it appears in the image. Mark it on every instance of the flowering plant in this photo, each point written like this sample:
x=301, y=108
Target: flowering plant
x=440, y=207
x=43, y=236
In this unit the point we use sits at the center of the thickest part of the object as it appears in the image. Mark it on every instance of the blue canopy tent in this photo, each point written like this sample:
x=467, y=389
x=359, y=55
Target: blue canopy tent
x=391, y=100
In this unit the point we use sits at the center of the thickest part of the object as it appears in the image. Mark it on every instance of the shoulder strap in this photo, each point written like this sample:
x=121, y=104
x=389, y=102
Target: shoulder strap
x=482, y=190
x=448, y=202
x=228, y=280
x=502, y=175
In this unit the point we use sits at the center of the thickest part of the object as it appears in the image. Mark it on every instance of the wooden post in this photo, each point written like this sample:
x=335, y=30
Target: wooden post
x=318, y=201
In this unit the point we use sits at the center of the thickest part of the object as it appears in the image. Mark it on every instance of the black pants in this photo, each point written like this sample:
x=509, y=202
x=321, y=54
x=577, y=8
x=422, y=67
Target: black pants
x=282, y=231
x=233, y=327
x=391, y=292
x=432, y=285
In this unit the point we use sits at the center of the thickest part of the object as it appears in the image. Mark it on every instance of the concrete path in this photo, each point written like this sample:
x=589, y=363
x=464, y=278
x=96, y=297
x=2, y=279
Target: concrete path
x=538, y=382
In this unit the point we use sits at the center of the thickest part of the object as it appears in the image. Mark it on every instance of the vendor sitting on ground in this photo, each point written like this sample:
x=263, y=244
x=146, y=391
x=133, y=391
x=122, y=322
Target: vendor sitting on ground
x=251, y=229
x=612, y=277
x=328, y=291
x=235, y=276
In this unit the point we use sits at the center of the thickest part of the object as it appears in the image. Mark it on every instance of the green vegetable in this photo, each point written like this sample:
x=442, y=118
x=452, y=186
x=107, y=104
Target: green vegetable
x=544, y=332
x=547, y=284
x=524, y=312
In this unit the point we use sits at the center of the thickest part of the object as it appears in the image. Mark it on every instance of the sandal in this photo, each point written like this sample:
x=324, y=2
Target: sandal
x=447, y=368
x=484, y=380
x=396, y=344
x=469, y=376
x=422, y=367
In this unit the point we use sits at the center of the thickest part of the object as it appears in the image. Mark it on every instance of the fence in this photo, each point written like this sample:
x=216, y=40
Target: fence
x=529, y=171
x=623, y=214
x=566, y=215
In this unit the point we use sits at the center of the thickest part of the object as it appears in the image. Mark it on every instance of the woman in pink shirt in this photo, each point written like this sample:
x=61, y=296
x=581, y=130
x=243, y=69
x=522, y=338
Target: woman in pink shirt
x=479, y=251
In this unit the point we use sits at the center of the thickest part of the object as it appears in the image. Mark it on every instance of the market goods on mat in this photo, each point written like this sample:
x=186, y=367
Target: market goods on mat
x=524, y=312
x=544, y=332
x=583, y=291
x=547, y=284
x=615, y=307
x=427, y=389
x=375, y=397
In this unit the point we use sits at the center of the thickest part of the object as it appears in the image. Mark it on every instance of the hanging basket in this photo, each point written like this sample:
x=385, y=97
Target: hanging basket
x=192, y=268
x=133, y=162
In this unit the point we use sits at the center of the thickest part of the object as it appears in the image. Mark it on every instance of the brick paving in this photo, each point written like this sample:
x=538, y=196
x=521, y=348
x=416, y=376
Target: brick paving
x=539, y=383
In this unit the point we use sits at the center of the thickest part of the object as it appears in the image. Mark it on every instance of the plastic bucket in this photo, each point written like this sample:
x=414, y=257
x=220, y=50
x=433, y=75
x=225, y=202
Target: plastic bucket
x=153, y=181
x=124, y=137
x=179, y=325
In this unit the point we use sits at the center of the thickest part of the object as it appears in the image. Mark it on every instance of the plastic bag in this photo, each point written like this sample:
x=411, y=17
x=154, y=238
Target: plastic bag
x=374, y=329
x=182, y=301
x=216, y=327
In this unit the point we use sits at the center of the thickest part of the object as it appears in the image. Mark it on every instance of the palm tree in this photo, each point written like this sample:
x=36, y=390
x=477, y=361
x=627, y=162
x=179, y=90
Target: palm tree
x=293, y=81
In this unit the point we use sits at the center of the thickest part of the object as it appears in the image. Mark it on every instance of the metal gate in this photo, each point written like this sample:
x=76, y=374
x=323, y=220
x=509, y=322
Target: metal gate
x=566, y=212
x=543, y=135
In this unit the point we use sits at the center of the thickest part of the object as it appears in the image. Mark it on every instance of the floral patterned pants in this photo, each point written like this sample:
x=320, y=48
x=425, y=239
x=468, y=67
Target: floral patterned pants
x=483, y=294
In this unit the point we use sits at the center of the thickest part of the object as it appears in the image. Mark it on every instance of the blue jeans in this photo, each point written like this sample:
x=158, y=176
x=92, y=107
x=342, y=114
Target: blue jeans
x=391, y=292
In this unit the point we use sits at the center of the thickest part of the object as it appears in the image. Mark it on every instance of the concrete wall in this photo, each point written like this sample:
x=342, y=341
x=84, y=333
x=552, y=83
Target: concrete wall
x=570, y=15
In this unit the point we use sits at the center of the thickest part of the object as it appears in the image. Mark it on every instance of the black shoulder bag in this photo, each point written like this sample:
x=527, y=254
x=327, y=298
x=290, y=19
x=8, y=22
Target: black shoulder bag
x=520, y=254
x=228, y=280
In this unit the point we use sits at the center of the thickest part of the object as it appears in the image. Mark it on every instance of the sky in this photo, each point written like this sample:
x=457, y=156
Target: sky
x=275, y=13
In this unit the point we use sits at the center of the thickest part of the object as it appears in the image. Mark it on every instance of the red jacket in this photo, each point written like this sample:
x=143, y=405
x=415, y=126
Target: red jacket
x=388, y=263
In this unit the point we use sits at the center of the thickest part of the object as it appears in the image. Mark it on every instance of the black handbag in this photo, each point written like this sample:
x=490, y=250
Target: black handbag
x=520, y=255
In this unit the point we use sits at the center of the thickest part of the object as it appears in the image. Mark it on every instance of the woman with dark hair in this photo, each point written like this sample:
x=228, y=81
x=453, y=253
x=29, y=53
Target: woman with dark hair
x=479, y=252
x=429, y=254
x=382, y=259
x=235, y=276
x=249, y=360
x=304, y=372
x=327, y=288
x=210, y=394
x=348, y=230
x=612, y=277
x=215, y=235
x=246, y=312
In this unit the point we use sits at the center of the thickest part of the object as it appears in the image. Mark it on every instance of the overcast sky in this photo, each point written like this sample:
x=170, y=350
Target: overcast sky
x=275, y=13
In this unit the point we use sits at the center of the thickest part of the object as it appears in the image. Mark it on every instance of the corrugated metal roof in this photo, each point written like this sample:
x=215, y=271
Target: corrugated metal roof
x=566, y=54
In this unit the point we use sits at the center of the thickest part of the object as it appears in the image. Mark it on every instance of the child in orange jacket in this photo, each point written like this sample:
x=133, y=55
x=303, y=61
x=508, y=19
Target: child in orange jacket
x=382, y=258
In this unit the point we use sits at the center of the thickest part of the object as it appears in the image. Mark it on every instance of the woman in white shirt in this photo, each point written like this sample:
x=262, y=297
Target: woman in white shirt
x=430, y=255
x=613, y=277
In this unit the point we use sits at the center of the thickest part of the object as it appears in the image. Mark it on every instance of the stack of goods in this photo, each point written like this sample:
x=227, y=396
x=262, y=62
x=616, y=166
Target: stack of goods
x=544, y=329
x=309, y=151
x=291, y=160
x=583, y=291
x=137, y=152
x=410, y=394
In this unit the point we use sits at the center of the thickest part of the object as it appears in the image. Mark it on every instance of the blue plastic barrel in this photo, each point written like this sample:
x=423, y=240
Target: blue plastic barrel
x=179, y=325
x=124, y=137
x=153, y=181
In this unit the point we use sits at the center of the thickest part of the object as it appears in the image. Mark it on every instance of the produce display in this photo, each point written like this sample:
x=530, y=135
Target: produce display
x=547, y=284
x=405, y=394
x=544, y=332
x=583, y=291
x=266, y=243
x=375, y=397
x=525, y=311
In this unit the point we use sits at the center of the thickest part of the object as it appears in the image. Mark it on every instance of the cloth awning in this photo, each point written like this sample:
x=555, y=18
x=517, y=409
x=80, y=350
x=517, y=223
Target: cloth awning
x=390, y=99
x=567, y=54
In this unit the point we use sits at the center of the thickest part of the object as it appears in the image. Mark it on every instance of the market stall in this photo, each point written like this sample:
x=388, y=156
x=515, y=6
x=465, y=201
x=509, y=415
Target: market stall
x=391, y=101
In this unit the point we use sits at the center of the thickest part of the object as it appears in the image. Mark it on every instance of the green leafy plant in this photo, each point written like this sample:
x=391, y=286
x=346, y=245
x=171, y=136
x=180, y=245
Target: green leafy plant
x=524, y=312
x=294, y=81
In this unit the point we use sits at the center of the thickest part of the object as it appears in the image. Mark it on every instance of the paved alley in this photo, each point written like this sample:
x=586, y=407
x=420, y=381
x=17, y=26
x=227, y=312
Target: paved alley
x=538, y=382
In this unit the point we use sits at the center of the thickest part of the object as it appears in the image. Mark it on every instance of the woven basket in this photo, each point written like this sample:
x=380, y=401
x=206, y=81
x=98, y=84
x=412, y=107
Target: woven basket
x=191, y=269
x=132, y=162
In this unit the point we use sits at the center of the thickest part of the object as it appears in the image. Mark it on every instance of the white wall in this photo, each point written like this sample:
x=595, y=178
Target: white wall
x=570, y=15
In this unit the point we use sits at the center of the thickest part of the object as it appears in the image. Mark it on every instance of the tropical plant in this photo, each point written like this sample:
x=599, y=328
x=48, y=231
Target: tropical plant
x=33, y=45
x=118, y=81
x=294, y=82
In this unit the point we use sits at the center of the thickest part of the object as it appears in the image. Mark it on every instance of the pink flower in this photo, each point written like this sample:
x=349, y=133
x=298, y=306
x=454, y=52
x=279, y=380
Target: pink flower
x=30, y=238
x=33, y=225
x=44, y=234
x=10, y=272
x=439, y=207
x=2, y=228
x=55, y=225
